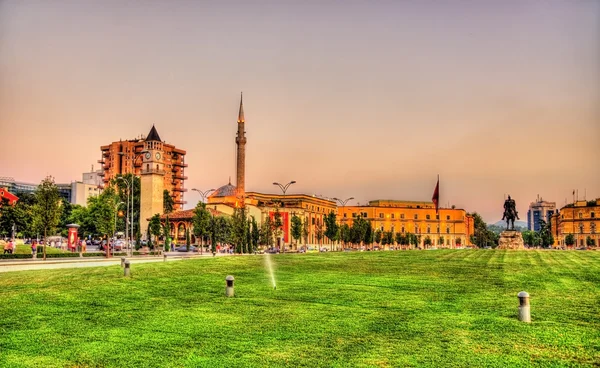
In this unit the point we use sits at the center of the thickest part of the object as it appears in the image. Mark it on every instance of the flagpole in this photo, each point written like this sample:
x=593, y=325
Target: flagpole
x=438, y=214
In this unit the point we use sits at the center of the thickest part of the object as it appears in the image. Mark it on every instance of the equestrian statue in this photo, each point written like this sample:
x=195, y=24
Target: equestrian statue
x=510, y=213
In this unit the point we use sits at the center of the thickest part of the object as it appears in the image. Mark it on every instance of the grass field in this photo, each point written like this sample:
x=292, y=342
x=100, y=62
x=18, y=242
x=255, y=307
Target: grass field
x=373, y=309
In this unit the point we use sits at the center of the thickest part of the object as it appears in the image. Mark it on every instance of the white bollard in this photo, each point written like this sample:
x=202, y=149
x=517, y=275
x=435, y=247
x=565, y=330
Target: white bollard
x=524, y=308
x=229, y=285
x=127, y=269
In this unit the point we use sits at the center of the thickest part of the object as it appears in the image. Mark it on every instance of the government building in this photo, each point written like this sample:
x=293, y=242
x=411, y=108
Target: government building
x=452, y=225
x=580, y=219
x=129, y=157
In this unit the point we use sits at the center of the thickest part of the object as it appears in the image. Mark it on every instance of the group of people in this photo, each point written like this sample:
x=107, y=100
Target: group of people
x=9, y=247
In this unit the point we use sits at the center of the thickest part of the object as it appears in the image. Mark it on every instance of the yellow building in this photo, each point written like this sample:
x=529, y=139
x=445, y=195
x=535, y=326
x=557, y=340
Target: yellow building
x=420, y=218
x=580, y=219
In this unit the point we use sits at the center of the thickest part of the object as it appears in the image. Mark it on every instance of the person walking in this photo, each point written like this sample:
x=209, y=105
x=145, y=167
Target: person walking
x=34, y=249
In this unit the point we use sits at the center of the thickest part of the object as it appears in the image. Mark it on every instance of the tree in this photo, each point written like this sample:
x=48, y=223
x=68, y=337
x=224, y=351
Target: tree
x=155, y=227
x=359, y=230
x=188, y=241
x=201, y=222
x=413, y=239
x=459, y=241
x=305, y=231
x=47, y=209
x=546, y=238
x=369, y=235
x=441, y=240
x=483, y=237
x=168, y=202
x=400, y=238
x=20, y=215
x=388, y=238
x=427, y=241
x=378, y=235
x=277, y=223
x=569, y=240
x=319, y=233
x=528, y=237
x=255, y=235
x=122, y=191
x=589, y=241
x=296, y=228
x=331, y=227
x=167, y=234
x=266, y=232
x=240, y=230
x=345, y=235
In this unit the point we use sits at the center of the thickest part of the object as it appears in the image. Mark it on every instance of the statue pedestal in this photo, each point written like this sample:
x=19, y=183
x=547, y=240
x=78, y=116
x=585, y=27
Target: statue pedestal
x=511, y=239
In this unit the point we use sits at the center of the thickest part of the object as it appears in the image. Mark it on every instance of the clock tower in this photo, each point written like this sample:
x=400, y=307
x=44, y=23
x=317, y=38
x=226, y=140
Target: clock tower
x=152, y=180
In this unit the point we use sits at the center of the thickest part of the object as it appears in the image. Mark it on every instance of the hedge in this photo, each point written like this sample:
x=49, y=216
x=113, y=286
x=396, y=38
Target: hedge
x=15, y=256
x=153, y=253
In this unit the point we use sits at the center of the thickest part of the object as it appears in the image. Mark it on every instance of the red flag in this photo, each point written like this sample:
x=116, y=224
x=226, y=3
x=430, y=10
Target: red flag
x=436, y=195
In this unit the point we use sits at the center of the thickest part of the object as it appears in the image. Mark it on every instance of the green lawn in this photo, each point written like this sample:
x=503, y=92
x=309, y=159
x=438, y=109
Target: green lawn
x=373, y=309
x=26, y=249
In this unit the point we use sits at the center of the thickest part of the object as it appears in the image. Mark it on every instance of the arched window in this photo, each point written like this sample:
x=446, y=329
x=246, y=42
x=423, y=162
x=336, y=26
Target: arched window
x=427, y=217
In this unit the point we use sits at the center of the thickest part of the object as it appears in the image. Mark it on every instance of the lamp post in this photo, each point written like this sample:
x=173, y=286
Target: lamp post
x=128, y=212
x=343, y=204
x=133, y=157
x=203, y=195
x=115, y=230
x=284, y=189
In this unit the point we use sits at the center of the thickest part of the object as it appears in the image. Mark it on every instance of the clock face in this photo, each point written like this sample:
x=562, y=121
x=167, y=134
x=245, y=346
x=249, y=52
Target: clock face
x=148, y=155
x=157, y=156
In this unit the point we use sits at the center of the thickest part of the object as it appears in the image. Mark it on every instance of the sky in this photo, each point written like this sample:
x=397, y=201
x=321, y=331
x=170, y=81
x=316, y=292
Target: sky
x=363, y=99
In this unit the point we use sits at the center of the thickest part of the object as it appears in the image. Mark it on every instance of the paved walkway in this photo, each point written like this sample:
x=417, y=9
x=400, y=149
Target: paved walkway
x=55, y=263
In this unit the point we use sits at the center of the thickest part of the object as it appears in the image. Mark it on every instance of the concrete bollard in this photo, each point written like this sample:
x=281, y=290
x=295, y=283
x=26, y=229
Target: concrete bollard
x=164, y=257
x=229, y=285
x=524, y=311
x=127, y=269
x=122, y=261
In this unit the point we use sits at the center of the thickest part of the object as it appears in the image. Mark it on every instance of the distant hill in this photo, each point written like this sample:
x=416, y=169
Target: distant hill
x=517, y=223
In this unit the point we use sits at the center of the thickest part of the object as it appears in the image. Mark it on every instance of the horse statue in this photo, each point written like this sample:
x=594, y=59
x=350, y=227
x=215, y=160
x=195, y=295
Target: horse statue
x=510, y=213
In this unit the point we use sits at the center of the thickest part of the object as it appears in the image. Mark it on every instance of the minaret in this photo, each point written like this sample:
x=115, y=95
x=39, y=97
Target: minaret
x=240, y=140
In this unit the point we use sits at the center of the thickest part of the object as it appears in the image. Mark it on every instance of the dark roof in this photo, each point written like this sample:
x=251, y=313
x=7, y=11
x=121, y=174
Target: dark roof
x=153, y=135
x=226, y=190
x=187, y=214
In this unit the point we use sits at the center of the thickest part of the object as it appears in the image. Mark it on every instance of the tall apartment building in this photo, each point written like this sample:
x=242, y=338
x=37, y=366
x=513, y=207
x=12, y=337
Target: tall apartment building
x=89, y=186
x=126, y=157
x=539, y=210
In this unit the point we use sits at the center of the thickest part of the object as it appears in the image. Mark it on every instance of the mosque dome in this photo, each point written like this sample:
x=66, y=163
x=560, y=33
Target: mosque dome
x=226, y=190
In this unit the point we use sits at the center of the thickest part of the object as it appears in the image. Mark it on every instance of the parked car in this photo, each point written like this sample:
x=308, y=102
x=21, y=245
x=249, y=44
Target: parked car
x=183, y=248
x=323, y=249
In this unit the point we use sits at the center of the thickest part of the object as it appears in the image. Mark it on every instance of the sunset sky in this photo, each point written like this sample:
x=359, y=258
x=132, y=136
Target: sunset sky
x=370, y=99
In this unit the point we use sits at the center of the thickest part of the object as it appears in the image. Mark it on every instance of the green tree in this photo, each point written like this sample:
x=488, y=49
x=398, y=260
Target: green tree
x=528, y=237
x=305, y=231
x=388, y=238
x=122, y=191
x=589, y=241
x=188, y=241
x=277, y=224
x=569, y=240
x=427, y=241
x=296, y=228
x=319, y=233
x=331, y=227
x=378, y=236
x=47, y=209
x=546, y=238
x=441, y=240
x=240, y=230
x=345, y=234
x=67, y=208
x=167, y=234
x=459, y=241
x=369, y=235
x=266, y=232
x=255, y=235
x=168, y=202
x=20, y=215
x=400, y=238
x=482, y=236
x=359, y=230
x=155, y=227
x=413, y=239
x=201, y=222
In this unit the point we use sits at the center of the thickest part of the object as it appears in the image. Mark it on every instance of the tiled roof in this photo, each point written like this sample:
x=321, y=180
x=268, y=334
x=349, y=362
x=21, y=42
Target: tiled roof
x=188, y=214
x=226, y=190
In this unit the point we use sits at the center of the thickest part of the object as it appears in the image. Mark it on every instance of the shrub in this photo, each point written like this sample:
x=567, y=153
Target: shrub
x=15, y=256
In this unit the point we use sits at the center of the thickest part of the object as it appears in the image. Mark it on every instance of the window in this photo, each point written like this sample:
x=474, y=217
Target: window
x=381, y=215
x=593, y=228
x=353, y=214
x=427, y=217
x=416, y=217
x=393, y=215
x=313, y=220
x=402, y=228
x=402, y=216
x=345, y=215
x=581, y=228
x=428, y=230
x=447, y=230
x=580, y=215
x=364, y=214
x=448, y=217
x=381, y=227
x=592, y=214
x=437, y=217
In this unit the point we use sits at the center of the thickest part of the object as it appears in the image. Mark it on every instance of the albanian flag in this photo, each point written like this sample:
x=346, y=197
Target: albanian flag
x=436, y=195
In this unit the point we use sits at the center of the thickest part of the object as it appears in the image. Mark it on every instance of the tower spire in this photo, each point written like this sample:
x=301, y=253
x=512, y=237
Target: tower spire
x=241, y=113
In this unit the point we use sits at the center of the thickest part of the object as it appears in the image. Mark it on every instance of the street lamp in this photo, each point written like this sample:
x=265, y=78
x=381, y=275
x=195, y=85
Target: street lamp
x=284, y=189
x=343, y=203
x=128, y=212
x=115, y=231
x=203, y=194
x=133, y=158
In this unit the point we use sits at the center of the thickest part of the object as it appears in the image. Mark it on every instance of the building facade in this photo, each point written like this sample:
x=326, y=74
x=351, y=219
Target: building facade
x=19, y=187
x=539, y=210
x=454, y=225
x=127, y=157
x=579, y=219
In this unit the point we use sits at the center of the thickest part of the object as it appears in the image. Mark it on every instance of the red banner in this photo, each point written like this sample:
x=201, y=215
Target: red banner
x=286, y=224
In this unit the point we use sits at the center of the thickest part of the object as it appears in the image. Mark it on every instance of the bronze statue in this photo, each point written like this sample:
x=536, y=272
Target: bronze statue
x=510, y=213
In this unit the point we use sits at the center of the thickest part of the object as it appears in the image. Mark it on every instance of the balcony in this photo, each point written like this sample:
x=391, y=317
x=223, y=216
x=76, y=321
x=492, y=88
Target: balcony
x=101, y=161
x=153, y=171
x=180, y=202
x=179, y=176
x=176, y=189
x=180, y=164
